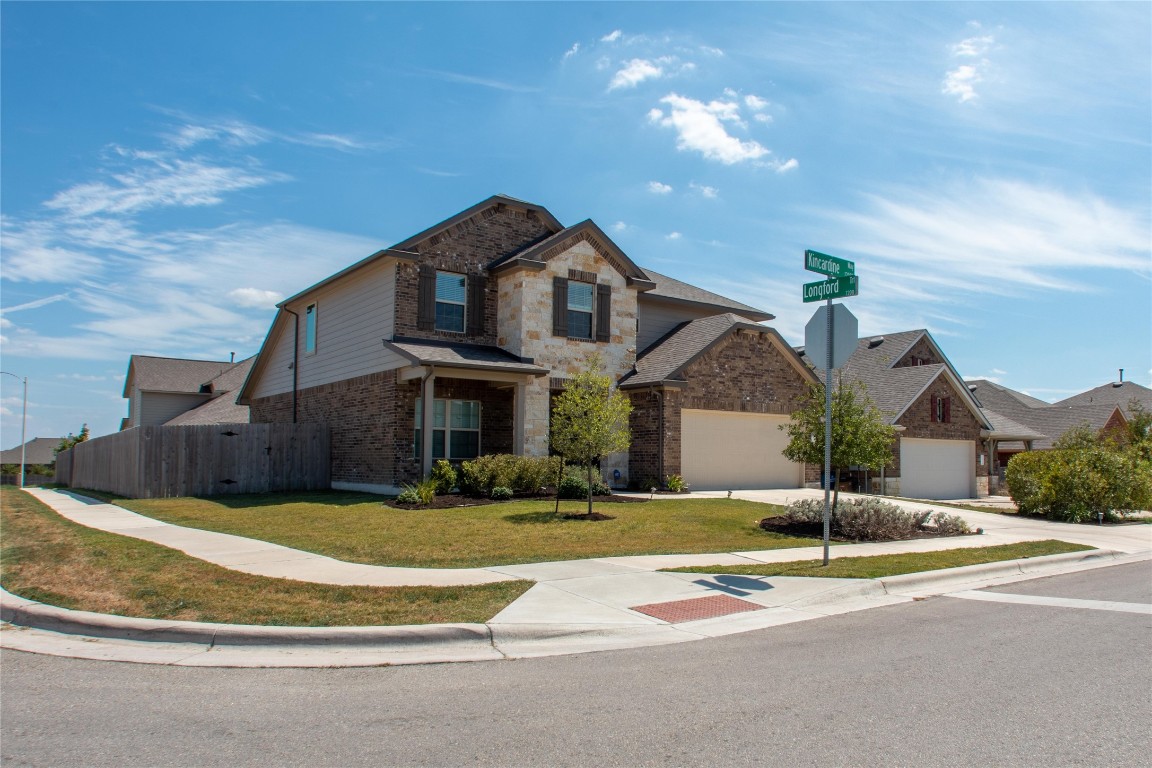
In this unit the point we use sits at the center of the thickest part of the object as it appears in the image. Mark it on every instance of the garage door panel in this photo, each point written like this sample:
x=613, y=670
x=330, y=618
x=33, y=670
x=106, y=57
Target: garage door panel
x=721, y=450
x=937, y=469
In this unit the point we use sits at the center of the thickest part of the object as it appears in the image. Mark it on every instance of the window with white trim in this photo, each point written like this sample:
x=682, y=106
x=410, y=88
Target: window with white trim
x=451, y=298
x=310, y=329
x=455, y=429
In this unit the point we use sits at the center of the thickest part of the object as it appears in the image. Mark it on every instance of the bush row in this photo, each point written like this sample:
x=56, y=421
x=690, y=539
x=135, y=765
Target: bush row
x=870, y=519
x=1078, y=485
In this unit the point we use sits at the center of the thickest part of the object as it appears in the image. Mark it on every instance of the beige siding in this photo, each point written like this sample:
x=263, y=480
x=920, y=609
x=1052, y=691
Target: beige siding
x=159, y=407
x=658, y=318
x=353, y=317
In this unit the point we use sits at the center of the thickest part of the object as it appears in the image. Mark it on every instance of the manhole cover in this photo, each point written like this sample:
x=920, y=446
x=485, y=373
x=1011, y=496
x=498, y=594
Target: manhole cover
x=697, y=608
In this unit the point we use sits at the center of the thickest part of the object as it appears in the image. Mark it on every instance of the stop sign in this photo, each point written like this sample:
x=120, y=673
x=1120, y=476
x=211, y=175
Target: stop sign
x=844, y=333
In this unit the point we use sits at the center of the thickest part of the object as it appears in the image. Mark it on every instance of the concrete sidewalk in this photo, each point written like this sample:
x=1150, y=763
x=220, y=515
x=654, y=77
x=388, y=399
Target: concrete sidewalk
x=575, y=606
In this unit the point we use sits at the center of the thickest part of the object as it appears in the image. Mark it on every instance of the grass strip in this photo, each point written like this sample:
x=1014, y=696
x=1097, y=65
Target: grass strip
x=47, y=558
x=879, y=566
x=357, y=528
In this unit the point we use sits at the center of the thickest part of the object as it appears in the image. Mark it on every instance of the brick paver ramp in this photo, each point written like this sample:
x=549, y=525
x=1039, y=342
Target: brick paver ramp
x=696, y=608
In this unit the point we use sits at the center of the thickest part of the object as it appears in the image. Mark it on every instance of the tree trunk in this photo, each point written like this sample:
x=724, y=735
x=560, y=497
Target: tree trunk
x=589, y=489
x=835, y=491
x=559, y=479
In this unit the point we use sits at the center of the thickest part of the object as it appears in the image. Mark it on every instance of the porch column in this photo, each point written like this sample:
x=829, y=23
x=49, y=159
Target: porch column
x=427, y=394
x=519, y=413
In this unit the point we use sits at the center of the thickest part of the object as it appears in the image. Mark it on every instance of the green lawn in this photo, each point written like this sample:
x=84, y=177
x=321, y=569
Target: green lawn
x=879, y=566
x=47, y=558
x=358, y=528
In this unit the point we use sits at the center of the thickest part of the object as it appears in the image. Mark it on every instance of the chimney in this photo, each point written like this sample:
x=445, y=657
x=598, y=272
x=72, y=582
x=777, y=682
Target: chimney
x=1121, y=375
x=233, y=359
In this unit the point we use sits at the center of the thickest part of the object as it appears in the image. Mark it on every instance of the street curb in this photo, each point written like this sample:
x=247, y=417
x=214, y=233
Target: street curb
x=30, y=614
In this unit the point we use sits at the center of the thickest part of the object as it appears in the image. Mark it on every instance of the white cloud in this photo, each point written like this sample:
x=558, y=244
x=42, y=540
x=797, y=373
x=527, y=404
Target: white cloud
x=700, y=127
x=760, y=117
x=961, y=81
x=658, y=188
x=755, y=102
x=36, y=304
x=619, y=226
x=673, y=236
x=255, y=297
x=612, y=36
x=80, y=377
x=635, y=72
x=992, y=236
x=704, y=190
x=790, y=164
x=575, y=49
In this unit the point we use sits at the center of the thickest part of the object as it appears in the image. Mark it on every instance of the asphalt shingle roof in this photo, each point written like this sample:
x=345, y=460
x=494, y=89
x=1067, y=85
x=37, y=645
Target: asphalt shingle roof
x=38, y=450
x=671, y=288
x=664, y=359
x=1117, y=393
x=218, y=410
x=474, y=356
x=170, y=374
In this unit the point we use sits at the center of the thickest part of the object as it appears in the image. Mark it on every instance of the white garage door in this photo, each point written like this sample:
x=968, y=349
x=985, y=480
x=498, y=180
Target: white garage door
x=729, y=451
x=937, y=469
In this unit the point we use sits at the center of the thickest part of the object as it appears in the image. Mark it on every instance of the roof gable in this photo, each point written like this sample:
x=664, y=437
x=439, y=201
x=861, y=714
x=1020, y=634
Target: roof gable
x=666, y=360
x=671, y=290
x=586, y=231
x=171, y=374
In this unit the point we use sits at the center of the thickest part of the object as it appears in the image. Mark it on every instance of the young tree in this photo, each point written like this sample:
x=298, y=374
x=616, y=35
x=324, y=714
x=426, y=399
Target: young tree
x=71, y=440
x=590, y=420
x=860, y=434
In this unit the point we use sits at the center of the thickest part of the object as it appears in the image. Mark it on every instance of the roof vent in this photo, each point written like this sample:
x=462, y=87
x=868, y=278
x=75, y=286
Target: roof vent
x=875, y=341
x=1121, y=382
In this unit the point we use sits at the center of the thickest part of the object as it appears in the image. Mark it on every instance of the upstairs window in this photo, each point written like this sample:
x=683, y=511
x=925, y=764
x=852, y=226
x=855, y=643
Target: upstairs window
x=579, y=310
x=310, y=329
x=942, y=410
x=451, y=292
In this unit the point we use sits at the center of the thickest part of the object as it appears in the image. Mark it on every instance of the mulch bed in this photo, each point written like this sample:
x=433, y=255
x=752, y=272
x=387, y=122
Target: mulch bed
x=453, y=501
x=816, y=530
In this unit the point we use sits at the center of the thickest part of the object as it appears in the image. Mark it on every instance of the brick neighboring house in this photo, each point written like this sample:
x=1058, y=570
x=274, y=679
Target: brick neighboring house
x=1101, y=409
x=173, y=391
x=943, y=449
x=485, y=316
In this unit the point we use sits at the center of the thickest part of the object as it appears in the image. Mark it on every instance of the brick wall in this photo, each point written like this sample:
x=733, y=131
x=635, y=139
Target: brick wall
x=372, y=422
x=468, y=248
x=922, y=350
x=918, y=422
x=743, y=372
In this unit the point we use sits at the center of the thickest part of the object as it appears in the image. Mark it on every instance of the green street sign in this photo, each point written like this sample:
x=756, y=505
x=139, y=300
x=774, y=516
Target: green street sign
x=814, y=261
x=836, y=288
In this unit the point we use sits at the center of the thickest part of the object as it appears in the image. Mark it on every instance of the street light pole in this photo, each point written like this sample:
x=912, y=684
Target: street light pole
x=23, y=426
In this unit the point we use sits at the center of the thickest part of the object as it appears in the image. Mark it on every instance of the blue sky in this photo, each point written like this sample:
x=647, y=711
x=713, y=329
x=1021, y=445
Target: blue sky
x=171, y=170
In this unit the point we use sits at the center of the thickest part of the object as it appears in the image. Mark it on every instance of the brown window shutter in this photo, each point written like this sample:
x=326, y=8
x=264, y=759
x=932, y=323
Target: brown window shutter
x=560, y=306
x=476, y=294
x=426, y=298
x=603, y=312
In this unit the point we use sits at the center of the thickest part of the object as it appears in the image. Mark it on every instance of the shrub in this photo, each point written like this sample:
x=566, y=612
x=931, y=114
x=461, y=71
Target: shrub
x=443, y=477
x=1078, y=484
x=676, y=484
x=575, y=486
x=805, y=511
x=500, y=493
x=523, y=474
x=950, y=525
x=408, y=496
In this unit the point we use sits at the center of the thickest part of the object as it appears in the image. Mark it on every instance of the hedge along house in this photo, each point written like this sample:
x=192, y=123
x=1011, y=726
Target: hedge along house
x=944, y=441
x=452, y=343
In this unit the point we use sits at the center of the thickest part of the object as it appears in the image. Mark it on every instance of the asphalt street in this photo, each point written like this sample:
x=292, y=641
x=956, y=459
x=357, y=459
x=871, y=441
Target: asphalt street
x=942, y=681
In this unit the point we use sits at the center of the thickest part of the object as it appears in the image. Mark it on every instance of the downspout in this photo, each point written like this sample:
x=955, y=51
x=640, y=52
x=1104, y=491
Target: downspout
x=295, y=363
x=425, y=433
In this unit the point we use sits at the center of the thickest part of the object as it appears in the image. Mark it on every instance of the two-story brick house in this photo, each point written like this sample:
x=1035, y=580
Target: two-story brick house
x=452, y=343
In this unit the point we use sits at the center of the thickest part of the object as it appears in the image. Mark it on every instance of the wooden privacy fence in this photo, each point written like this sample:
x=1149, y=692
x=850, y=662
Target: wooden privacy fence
x=201, y=460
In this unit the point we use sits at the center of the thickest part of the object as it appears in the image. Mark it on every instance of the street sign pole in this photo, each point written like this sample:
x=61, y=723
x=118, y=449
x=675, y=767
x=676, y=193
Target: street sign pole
x=828, y=435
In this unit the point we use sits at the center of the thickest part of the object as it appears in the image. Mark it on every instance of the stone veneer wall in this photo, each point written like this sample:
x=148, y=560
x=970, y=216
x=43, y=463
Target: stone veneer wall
x=525, y=329
x=467, y=247
x=372, y=422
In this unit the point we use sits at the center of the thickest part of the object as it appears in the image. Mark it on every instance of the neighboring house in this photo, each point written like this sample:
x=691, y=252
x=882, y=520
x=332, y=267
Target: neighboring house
x=943, y=448
x=1120, y=393
x=452, y=344
x=166, y=390
x=38, y=450
x=1049, y=421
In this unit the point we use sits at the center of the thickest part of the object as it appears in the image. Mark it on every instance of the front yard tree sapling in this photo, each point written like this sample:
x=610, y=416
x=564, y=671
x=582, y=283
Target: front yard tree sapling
x=590, y=420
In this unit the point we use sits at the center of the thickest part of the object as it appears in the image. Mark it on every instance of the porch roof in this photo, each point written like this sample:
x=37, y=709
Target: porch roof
x=474, y=357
